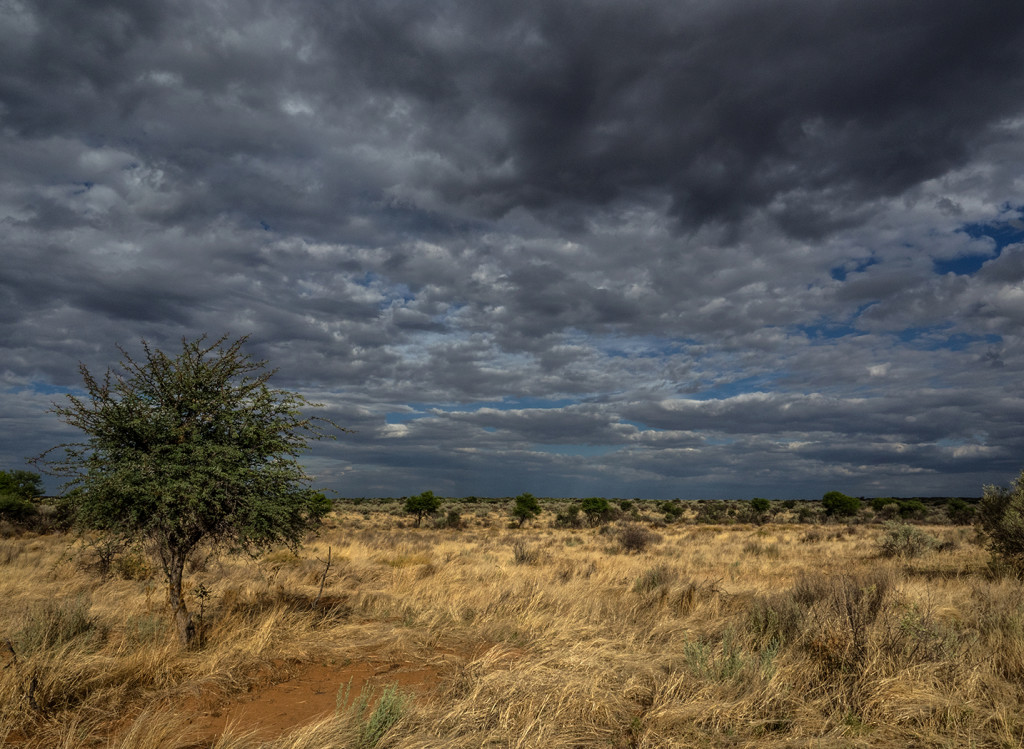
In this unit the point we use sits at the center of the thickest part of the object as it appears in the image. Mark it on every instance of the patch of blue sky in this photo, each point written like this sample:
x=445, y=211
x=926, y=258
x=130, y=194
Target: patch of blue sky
x=45, y=388
x=739, y=386
x=840, y=272
x=1002, y=234
x=933, y=338
x=641, y=347
x=639, y=425
x=828, y=331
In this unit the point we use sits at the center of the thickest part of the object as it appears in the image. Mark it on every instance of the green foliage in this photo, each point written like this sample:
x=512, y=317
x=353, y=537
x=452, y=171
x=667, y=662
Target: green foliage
x=837, y=503
x=760, y=505
x=960, y=512
x=570, y=518
x=186, y=449
x=878, y=503
x=453, y=520
x=22, y=484
x=1000, y=515
x=905, y=541
x=672, y=510
x=16, y=509
x=912, y=508
x=596, y=509
x=525, y=508
x=422, y=504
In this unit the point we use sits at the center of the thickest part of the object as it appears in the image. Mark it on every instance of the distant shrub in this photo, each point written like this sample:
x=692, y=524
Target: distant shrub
x=912, y=508
x=453, y=520
x=569, y=518
x=905, y=541
x=711, y=511
x=626, y=505
x=789, y=504
x=422, y=504
x=672, y=510
x=760, y=505
x=879, y=502
x=635, y=537
x=839, y=504
x=15, y=509
x=596, y=509
x=525, y=508
x=959, y=512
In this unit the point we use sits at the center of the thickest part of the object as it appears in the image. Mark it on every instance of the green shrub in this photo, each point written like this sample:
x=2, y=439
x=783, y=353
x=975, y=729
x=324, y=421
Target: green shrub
x=760, y=505
x=672, y=510
x=959, y=512
x=596, y=509
x=569, y=518
x=1000, y=516
x=15, y=509
x=422, y=504
x=905, y=541
x=879, y=502
x=912, y=508
x=837, y=503
x=526, y=507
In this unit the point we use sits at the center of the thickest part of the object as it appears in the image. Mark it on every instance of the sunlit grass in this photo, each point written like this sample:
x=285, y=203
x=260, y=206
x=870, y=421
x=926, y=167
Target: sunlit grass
x=778, y=635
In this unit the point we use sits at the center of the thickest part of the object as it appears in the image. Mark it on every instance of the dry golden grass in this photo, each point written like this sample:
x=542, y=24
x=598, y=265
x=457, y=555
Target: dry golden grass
x=779, y=635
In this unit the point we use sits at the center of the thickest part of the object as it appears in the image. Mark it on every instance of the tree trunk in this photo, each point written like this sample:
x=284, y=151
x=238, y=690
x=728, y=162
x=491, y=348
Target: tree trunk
x=183, y=622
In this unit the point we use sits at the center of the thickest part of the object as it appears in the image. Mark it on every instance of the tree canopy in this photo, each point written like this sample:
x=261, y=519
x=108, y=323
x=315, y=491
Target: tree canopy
x=188, y=449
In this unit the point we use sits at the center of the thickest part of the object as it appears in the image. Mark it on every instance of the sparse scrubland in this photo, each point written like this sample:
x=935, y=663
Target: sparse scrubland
x=657, y=629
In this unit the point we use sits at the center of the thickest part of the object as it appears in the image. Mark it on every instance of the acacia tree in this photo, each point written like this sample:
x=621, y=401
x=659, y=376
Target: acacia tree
x=189, y=449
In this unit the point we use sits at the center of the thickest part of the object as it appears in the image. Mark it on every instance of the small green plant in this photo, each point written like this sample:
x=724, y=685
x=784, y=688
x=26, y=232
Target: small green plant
x=760, y=505
x=390, y=708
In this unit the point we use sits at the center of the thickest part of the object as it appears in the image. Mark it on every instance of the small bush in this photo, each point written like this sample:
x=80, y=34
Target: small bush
x=905, y=541
x=570, y=518
x=634, y=537
x=523, y=554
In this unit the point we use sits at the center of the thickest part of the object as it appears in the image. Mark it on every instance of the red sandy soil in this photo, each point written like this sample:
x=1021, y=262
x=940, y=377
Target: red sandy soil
x=310, y=694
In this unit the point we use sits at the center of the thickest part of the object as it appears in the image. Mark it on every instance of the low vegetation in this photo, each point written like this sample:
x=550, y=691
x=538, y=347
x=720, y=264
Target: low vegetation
x=627, y=626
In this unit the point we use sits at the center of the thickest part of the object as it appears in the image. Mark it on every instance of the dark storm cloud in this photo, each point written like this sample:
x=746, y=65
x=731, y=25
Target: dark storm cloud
x=609, y=247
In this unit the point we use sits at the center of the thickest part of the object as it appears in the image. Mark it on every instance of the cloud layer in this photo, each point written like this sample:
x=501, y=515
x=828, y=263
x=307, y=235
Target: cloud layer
x=654, y=249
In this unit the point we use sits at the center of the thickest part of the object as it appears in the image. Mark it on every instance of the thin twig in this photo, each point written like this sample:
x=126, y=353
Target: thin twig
x=323, y=578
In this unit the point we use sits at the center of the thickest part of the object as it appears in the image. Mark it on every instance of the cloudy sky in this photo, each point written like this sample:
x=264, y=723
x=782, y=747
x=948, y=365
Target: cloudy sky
x=658, y=249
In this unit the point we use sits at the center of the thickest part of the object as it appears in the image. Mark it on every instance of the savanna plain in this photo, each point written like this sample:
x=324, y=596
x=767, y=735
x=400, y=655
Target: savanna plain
x=640, y=631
